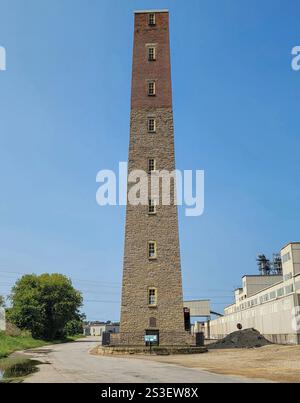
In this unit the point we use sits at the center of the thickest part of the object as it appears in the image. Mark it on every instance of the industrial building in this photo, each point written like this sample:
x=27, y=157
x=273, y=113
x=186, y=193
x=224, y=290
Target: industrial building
x=98, y=328
x=268, y=302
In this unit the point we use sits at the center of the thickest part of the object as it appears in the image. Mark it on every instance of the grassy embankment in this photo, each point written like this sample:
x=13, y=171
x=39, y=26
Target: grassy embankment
x=10, y=344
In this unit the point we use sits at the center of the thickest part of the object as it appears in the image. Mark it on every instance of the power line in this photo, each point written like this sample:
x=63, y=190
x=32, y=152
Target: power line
x=75, y=279
x=101, y=284
x=102, y=302
x=118, y=302
x=110, y=283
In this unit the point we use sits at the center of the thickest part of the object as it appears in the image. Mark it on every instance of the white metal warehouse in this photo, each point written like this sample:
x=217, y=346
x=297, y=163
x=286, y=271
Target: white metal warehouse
x=270, y=304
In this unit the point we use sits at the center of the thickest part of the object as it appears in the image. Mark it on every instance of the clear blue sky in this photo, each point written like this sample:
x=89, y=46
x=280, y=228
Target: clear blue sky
x=64, y=115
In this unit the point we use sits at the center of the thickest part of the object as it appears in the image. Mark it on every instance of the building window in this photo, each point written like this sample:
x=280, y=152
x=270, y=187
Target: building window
x=151, y=207
x=151, y=89
x=151, y=165
x=151, y=54
x=289, y=289
x=286, y=257
x=152, y=250
x=151, y=125
x=152, y=19
x=152, y=322
x=152, y=297
x=280, y=292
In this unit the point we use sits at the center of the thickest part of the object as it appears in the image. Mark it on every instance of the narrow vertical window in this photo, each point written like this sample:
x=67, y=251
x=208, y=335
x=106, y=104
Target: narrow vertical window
x=152, y=252
x=152, y=297
x=151, y=125
x=152, y=19
x=151, y=54
x=151, y=165
x=152, y=322
x=152, y=206
x=151, y=89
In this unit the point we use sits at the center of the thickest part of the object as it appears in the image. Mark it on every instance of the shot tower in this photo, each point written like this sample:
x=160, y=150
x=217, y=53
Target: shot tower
x=152, y=301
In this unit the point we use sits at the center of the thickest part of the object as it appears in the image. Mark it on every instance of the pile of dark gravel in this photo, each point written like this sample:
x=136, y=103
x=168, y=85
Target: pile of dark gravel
x=248, y=338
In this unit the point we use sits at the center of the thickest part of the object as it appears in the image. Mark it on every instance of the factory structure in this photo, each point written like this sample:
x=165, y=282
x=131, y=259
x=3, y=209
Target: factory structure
x=98, y=328
x=268, y=302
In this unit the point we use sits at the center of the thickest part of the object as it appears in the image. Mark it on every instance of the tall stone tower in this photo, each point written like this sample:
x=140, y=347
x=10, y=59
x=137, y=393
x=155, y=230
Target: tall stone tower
x=152, y=300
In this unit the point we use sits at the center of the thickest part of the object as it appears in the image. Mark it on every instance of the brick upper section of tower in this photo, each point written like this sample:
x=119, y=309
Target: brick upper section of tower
x=156, y=36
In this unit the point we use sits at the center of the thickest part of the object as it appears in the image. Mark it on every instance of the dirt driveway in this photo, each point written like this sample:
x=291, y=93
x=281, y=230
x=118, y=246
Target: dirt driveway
x=275, y=363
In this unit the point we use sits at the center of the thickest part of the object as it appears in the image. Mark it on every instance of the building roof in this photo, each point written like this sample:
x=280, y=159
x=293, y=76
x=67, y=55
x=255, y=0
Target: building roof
x=96, y=323
x=196, y=300
x=262, y=276
x=228, y=306
x=150, y=11
x=290, y=243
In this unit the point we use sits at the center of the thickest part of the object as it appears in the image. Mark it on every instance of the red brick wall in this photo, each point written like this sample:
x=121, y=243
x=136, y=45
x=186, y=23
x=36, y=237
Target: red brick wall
x=158, y=70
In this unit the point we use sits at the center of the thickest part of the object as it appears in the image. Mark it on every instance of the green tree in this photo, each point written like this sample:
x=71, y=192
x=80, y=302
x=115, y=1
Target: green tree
x=75, y=326
x=44, y=304
x=2, y=302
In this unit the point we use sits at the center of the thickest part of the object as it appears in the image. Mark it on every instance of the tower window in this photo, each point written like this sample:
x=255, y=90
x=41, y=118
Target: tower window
x=151, y=165
x=151, y=125
x=151, y=88
x=151, y=207
x=152, y=322
x=152, y=250
x=152, y=19
x=151, y=54
x=152, y=297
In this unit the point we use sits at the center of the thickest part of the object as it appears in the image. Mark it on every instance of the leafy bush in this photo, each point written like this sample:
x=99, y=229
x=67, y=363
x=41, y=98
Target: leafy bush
x=44, y=305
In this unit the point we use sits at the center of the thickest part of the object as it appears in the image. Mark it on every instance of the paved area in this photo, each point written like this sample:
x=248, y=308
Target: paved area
x=72, y=363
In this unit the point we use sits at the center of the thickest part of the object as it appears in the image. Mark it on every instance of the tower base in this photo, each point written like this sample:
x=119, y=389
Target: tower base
x=164, y=339
x=143, y=350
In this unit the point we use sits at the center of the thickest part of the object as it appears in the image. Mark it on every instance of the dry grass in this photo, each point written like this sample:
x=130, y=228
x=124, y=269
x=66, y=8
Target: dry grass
x=275, y=363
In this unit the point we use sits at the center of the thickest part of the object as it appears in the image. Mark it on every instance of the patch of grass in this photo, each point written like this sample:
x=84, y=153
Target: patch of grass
x=10, y=344
x=69, y=339
x=14, y=368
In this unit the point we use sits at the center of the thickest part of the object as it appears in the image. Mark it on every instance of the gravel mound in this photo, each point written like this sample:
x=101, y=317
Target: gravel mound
x=248, y=338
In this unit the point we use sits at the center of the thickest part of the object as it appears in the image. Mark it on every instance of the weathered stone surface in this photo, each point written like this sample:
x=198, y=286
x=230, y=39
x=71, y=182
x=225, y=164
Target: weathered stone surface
x=142, y=350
